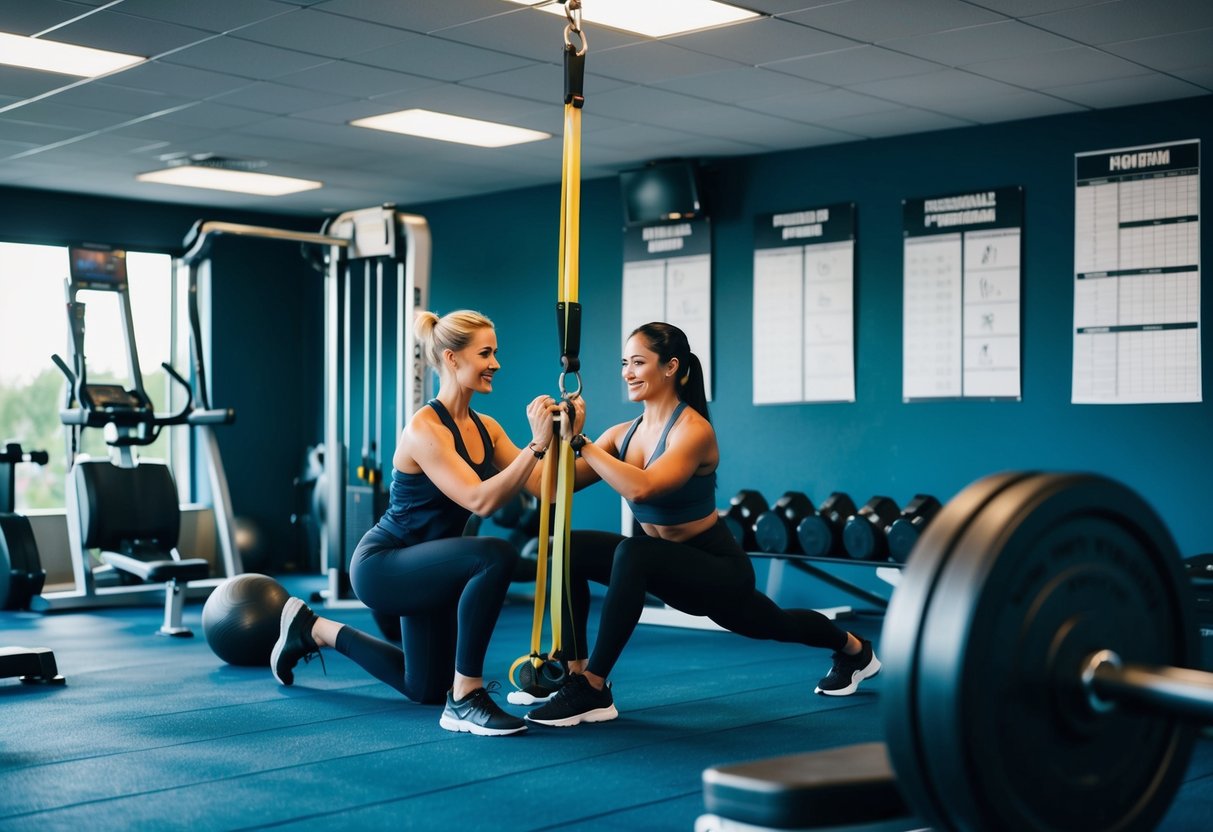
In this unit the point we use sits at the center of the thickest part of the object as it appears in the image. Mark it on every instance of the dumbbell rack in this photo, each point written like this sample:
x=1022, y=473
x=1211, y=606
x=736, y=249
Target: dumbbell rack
x=887, y=571
x=890, y=572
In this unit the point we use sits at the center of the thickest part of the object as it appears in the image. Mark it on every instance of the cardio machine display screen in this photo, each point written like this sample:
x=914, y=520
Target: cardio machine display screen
x=98, y=267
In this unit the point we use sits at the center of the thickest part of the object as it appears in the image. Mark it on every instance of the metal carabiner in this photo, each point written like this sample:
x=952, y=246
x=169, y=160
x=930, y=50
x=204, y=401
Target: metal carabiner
x=585, y=44
x=564, y=394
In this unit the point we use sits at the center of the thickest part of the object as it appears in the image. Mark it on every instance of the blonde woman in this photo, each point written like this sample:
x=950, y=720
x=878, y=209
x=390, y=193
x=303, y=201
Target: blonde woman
x=447, y=589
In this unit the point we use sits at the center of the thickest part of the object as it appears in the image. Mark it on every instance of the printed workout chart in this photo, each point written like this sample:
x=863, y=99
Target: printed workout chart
x=1137, y=275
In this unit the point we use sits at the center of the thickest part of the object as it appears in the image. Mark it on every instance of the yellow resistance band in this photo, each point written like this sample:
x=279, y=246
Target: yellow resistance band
x=563, y=460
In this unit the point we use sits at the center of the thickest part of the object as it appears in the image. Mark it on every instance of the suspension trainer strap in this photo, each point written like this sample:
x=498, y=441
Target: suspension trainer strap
x=559, y=467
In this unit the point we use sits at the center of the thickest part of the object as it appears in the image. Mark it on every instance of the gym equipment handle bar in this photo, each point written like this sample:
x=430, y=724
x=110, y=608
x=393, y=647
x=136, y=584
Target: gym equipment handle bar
x=1187, y=693
x=198, y=240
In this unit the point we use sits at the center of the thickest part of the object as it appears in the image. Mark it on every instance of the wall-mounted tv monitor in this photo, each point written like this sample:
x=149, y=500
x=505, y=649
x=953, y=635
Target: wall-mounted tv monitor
x=660, y=192
x=96, y=266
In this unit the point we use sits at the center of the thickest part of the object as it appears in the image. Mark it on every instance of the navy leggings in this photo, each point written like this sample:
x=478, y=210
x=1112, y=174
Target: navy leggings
x=707, y=575
x=448, y=594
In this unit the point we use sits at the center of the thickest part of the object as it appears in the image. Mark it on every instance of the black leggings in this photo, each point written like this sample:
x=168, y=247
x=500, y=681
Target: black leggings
x=448, y=594
x=707, y=575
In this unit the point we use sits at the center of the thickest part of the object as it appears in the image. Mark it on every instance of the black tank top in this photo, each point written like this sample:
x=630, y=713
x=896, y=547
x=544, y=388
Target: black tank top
x=417, y=510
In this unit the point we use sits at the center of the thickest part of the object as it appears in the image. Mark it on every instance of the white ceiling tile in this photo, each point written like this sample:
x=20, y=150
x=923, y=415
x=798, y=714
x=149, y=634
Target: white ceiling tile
x=21, y=83
x=1007, y=107
x=855, y=65
x=158, y=76
x=738, y=86
x=1168, y=52
x=1122, y=92
x=1120, y=20
x=1201, y=76
x=212, y=15
x=28, y=17
x=761, y=41
x=211, y=116
x=53, y=114
x=248, y=63
x=927, y=90
x=234, y=56
x=420, y=16
x=435, y=58
x=778, y=7
x=318, y=33
x=816, y=107
x=14, y=128
x=1024, y=8
x=354, y=80
x=896, y=123
x=875, y=21
x=989, y=41
x=654, y=61
x=1077, y=65
x=268, y=97
x=641, y=103
x=120, y=99
x=132, y=35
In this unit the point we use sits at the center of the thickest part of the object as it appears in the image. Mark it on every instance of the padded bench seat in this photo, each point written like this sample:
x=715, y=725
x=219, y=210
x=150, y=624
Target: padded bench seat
x=854, y=784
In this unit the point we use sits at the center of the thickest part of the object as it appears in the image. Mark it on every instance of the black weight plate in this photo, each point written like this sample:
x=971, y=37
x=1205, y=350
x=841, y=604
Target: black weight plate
x=1052, y=569
x=900, y=642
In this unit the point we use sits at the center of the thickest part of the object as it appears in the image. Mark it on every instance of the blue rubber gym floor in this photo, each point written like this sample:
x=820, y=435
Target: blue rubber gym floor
x=153, y=733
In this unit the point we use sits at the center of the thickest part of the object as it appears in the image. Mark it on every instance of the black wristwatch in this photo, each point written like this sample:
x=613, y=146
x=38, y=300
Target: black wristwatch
x=578, y=442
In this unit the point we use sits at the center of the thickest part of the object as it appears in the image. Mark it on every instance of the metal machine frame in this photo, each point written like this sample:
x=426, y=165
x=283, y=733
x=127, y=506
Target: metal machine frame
x=380, y=240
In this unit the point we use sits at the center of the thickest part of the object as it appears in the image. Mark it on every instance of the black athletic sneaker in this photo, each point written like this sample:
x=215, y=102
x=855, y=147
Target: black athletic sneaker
x=576, y=702
x=477, y=713
x=294, y=641
x=848, y=671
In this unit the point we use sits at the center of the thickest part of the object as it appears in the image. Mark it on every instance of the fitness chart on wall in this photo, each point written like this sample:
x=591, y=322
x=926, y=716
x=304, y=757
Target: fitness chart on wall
x=961, y=312
x=667, y=276
x=804, y=306
x=1137, y=275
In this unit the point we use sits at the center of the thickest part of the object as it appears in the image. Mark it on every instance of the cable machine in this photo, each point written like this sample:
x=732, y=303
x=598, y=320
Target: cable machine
x=376, y=266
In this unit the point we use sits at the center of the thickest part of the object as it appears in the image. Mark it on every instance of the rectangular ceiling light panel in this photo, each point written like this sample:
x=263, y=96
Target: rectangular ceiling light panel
x=428, y=124
x=654, y=18
x=239, y=181
x=64, y=58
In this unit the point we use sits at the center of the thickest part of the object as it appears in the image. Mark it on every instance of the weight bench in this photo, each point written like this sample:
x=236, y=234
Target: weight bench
x=133, y=517
x=852, y=788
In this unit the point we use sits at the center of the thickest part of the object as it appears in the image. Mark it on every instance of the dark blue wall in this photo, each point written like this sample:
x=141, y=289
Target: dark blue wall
x=498, y=254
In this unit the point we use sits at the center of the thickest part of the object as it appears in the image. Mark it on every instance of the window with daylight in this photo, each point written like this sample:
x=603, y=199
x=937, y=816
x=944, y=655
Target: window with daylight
x=33, y=326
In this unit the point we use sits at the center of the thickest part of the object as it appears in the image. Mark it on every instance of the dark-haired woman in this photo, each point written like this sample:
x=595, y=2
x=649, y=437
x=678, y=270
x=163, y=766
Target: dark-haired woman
x=446, y=589
x=664, y=464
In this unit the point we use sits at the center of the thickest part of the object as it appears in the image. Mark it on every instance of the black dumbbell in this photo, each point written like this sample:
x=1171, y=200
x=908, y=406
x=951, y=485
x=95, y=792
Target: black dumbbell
x=820, y=534
x=775, y=529
x=864, y=536
x=739, y=517
x=903, y=532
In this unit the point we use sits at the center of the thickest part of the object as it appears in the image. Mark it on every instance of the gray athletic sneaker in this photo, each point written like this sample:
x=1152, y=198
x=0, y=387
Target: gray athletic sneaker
x=294, y=641
x=477, y=713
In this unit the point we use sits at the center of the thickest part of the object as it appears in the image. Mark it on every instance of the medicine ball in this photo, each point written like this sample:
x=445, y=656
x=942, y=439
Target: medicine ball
x=241, y=619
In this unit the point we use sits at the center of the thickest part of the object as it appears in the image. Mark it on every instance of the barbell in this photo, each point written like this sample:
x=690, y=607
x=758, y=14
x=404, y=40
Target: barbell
x=1035, y=660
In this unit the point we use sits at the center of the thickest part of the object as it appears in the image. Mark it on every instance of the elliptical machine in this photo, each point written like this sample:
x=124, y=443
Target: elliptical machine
x=125, y=506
